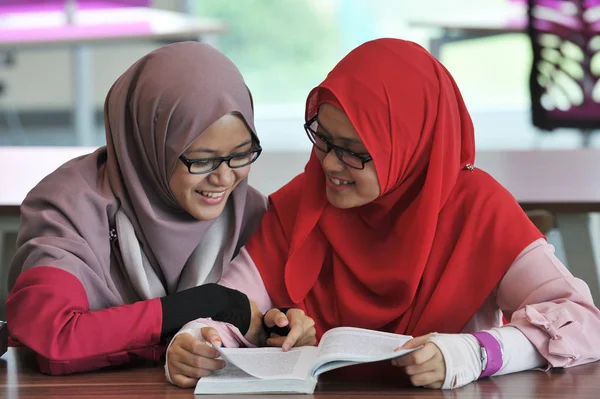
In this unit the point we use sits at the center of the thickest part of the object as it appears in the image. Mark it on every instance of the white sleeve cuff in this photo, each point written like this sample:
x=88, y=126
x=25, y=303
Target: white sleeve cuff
x=462, y=357
x=518, y=353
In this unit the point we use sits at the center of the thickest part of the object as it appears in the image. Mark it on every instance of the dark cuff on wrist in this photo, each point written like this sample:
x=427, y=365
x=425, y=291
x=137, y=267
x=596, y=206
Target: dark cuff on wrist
x=208, y=300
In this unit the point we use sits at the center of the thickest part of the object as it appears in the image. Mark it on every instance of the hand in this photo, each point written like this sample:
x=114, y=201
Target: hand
x=302, y=328
x=425, y=366
x=191, y=358
x=256, y=333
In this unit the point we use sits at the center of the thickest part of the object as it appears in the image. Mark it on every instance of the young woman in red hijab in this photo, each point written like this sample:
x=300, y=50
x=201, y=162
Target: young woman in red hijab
x=392, y=227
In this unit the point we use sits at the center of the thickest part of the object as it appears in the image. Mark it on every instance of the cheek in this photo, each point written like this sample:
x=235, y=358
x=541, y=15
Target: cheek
x=182, y=183
x=174, y=184
x=367, y=184
x=241, y=173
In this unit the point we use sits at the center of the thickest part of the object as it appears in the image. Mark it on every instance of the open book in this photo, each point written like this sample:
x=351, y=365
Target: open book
x=252, y=370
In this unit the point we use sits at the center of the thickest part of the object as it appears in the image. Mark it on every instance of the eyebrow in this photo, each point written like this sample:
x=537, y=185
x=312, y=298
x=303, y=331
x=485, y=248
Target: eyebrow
x=211, y=151
x=344, y=139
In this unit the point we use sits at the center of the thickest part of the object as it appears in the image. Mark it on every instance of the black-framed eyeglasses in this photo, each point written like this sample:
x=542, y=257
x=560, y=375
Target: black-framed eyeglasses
x=347, y=157
x=234, y=161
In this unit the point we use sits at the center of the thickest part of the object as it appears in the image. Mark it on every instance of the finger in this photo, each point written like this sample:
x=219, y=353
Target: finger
x=181, y=356
x=192, y=372
x=276, y=341
x=190, y=344
x=275, y=317
x=434, y=364
x=296, y=331
x=304, y=341
x=416, y=342
x=198, y=348
x=182, y=381
x=309, y=338
x=300, y=325
x=419, y=356
x=211, y=335
x=424, y=379
x=200, y=362
x=281, y=320
x=435, y=385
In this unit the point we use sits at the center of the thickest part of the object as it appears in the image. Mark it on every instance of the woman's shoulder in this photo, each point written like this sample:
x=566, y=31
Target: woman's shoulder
x=74, y=186
x=77, y=175
x=478, y=193
x=479, y=184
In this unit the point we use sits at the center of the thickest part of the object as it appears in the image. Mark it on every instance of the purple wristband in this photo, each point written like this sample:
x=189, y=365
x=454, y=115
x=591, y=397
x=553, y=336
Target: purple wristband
x=491, y=353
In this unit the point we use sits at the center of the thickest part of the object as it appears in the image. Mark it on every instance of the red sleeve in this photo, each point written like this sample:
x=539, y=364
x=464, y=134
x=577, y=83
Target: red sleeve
x=47, y=311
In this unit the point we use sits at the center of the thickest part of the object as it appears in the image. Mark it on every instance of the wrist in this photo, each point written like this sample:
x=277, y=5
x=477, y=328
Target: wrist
x=461, y=358
x=491, y=354
x=204, y=301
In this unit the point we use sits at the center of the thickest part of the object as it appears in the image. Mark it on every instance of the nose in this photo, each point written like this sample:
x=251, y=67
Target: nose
x=223, y=176
x=332, y=163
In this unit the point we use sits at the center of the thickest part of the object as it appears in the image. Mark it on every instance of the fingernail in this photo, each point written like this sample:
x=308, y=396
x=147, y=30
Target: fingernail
x=286, y=347
x=216, y=342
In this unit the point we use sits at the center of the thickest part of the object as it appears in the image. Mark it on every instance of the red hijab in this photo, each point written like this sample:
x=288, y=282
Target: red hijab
x=425, y=255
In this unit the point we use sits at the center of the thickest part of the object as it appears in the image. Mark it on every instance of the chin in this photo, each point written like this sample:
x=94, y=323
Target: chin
x=203, y=215
x=207, y=213
x=346, y=201
x=340, y=203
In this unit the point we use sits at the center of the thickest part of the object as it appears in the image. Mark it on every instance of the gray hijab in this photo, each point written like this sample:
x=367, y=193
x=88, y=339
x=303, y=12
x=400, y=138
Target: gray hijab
x=152, y=113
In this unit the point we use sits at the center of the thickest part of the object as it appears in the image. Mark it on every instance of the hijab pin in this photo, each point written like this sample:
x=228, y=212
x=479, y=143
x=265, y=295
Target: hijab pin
x=469, y=167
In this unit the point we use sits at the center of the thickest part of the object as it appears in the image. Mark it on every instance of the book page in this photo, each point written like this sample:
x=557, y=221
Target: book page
x=231, y=373
x=234, y=380
x=355, y=345
x=272, y=363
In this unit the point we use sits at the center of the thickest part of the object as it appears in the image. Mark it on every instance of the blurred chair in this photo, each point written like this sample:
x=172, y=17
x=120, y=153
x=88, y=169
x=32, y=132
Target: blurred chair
x=8, y=111
x=543, y=220
x=564, y=81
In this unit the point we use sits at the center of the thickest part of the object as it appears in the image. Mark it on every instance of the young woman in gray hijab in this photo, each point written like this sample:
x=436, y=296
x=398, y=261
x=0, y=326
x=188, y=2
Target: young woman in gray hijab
x=120, y=248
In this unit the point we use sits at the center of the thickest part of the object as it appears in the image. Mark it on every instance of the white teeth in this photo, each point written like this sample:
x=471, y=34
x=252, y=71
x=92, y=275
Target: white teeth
x=211, y=195
x=338, y=182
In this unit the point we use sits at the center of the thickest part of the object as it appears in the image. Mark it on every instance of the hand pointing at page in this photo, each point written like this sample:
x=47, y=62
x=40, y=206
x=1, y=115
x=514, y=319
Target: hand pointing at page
x=301, y=328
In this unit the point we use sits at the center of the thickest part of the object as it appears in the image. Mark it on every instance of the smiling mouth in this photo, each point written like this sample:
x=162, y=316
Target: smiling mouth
x=212, y=194
x=339, y=182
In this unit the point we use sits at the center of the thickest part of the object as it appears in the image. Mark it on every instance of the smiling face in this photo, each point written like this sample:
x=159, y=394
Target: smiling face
x=204, y=195
x=346, y=187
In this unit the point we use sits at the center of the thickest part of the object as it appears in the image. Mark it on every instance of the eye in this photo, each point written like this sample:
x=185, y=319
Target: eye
x=323, y=135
